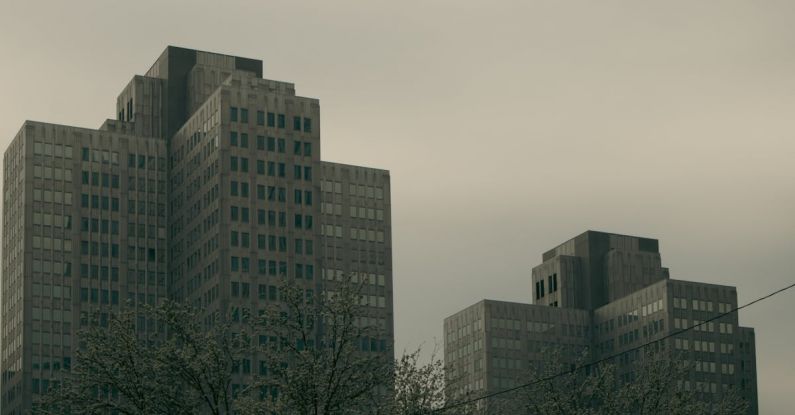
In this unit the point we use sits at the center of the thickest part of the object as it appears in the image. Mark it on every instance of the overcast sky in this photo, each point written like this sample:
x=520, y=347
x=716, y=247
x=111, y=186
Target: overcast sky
x=508, y=127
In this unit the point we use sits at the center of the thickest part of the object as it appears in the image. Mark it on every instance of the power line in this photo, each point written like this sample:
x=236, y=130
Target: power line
x=613, y=356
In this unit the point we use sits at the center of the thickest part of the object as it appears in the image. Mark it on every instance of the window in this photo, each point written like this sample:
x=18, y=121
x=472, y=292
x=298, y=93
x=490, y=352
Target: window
x=260, y=118
x=307, y=125
x=244, y=115
x=271, y=119
x=296, y=123
x=233, y=114
x=233, y=138
x=282, y=121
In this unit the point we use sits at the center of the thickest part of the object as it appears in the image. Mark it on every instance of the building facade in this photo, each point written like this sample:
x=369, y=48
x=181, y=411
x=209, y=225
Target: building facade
x=207, y=188
x=607, y=294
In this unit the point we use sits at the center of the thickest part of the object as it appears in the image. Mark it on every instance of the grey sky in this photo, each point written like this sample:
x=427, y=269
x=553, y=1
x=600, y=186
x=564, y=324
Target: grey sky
x=508, y=127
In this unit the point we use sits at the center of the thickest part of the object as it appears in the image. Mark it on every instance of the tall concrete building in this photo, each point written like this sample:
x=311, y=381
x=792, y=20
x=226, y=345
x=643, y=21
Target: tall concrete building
x=607, y=293
x=208, y=188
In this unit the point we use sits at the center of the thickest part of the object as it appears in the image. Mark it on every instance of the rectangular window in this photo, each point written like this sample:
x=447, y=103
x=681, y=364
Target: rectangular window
x=233, y=114
x=282, y=121
x=244, y=115
x=260, y=118
x=271, y=119
x=307, y=125
x=296, y=123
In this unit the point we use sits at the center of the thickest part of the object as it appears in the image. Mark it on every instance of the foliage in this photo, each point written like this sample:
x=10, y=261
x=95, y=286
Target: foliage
x=323, y=356
x=650, y=387
x=119, y=368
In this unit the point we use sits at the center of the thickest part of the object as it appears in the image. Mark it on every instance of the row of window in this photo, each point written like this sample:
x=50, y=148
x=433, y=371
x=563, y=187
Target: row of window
x=266, y=267
x=56, y=150
x=270, y=144
x=57, y=244
x=45, y=363
x=104, y=203
x=52, y=173
x=271, y=119
x=143, y=207
x=56, y=268
x=355, y=276
x=48, y=219
x=241, y=189
x=52, y=196
x=51, y=290
x=369, y=235
x=359, y=190
x=100, y=179
x=243, y=239
x=99, y=156
x=142, y=161
x=99, y=296
x=264, y=291
x=701, y=305
x=53, y=339
x=271, y=168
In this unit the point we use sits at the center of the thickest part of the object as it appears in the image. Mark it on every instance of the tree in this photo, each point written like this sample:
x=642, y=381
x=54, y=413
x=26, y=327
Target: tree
x=562, y=386
x=324, y=357
x=321, y=354
x=119, y=368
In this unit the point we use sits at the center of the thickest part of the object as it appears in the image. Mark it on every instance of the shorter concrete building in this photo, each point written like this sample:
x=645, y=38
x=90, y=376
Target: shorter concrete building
x=607, y=294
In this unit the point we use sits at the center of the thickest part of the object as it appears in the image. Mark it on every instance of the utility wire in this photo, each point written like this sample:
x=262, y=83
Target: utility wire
x=613, y=356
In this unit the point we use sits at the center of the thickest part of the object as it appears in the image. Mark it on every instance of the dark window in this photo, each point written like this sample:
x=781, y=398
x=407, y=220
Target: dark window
x=233, y=114
x=233, y=139
x=296, y=123
x=244, y=115
x=271, y=119
x=281, y=121
x=260, y=118
x=307, y=125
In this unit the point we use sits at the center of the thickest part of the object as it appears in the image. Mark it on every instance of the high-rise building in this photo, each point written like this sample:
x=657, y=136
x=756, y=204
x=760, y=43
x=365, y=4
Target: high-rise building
x=207, y=188
x=606, y=293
